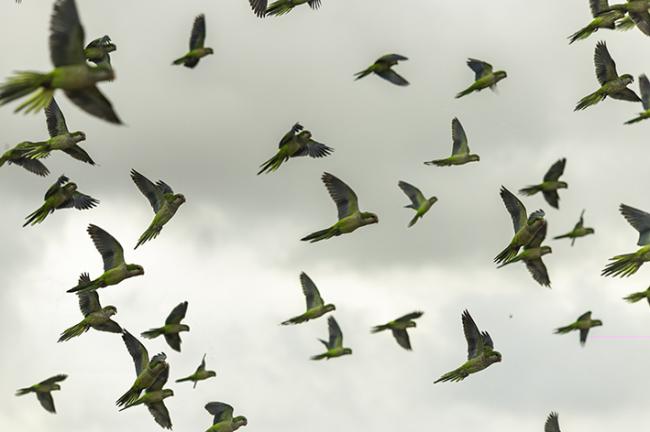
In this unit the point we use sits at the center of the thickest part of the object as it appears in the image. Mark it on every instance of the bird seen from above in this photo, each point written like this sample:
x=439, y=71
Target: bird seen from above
x=579, y=230
x=95, y=316
x=550, y=185
x=154, y=399
x=460, y=153
x=419, y=203
x=198, y=50
x=484, y=77
x=584, y=323
x=199, y=375
x=399, y=328
x=644, y=88
x=172, y=327
x=627, y=264
x=316, y=307
x=281, y=7
x=383, y=67
x=334, y=345
x=532, y=255
x=44, y=391
x=603, y=18
x=223, y=418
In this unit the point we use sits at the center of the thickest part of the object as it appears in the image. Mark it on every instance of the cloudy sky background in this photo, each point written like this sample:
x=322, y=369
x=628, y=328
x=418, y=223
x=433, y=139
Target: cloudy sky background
x=233, y=250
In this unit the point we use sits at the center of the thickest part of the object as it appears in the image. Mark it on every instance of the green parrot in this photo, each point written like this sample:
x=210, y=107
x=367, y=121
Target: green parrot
x=578, y=231
x=638, y=13
x=532, y=257
x=484, y=77
x=259, y=7
x=60, y=138
x=147, y=371
x=18, y=156
x=550, y=185
x=383, y=67
x=197, y=41
x=335, y=344
x=350, y=218
x=419, y=203
x=480, y=352
x=199, y=375
x=603, y=18
x=154, y=399
x=552, y=424
x=628, y=264
x=638, y=296
x=71, y=73
x=98, y=51
x=95, y=316
x=612, y=84
x=316, y=307
x=281, y=7
x=163, y=200
x=525, y=227
x=115, y=268
x=297, y=142
x=62, y=194
x=43, y=391
x=583, y=323
x=399, y=328
x=460, y=154
x=644, y=87
x=223, y=419
x=172, y=327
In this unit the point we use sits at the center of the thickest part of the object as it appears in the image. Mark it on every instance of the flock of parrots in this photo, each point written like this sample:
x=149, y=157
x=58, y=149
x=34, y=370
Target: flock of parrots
x=77, y=70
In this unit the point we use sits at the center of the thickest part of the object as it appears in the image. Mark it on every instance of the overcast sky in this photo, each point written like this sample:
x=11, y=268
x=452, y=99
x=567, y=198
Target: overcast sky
x=233, y=250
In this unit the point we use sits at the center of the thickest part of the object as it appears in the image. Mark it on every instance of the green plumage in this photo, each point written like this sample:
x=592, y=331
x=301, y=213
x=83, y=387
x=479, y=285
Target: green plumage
x=484, y=77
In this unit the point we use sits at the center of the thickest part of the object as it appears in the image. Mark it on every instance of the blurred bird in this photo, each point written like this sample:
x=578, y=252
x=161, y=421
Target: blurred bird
x=223, y=419
x=335, y=343
x=552, y=424
x=199, y=375
x=584, y=323
x=628, y=264
x=44, y=391
x=98, y=51
x=399, y=328
x=154, y=399
x=316, y=307
x=383, y=67
x=17, y=155
x=532, y=257
x=638, y=13
x=460, y=154
x=281, y=7
x=604, y=18
x=197, y=49
x=578, y=231
x=95, y=316
x=172, y=327
x=484, y=77
x=638, y=296
x=550, y=185
x=644, y=87
x=419, y=203
x=259, y=7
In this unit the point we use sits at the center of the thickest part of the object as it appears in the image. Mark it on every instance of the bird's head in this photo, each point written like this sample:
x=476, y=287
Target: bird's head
x=495, y=356
x=500, y=75
x=305, y=135
x=627, y=79
x=167, y=393
x=474, y=158
x=183, y=327
x=135, y=269
x=110, y=47
x=535, y=216
x=238, y=422
x=369, y=218
x=411, y=324
x=347, y=351
x=211, y=373
x=329, y=308
x=179, y=199
x=590, y=230
x=209, y=51
x=79, y=136
x=110, y=310
x=545, y=250
x=55, y=387
x=70, y=187
x=563, y=185
x=596, y=323
x=157, y=359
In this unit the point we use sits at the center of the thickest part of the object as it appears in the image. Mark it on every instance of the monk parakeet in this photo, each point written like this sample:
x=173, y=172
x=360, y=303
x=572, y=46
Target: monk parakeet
x=638, y=13
x=98, y=51
x=62, y=194
x=550, y=186
x=316, y=307
x=583, y=323
x=18, y=156
x=526, y=228
x=552, y=424
x=115, y=268
x=604, y=18
x=334, y=345
x=628, y=264
x=281, y=7
x=480, y=352
x=43, y=391
x=154, y=399
x=350, y=218
x=163, y=200
x=638, y=296
x=199, y=375
x=532, y=257
x=95, y=316
x=197, y=49
x=419, y=203
x=399, y=328
x=460, y=154
x=644, y=87
x=484, y=77
x=383, y=67
x=71, y=73
x=223, y=419
x=147, y=371
x=259, y=7
x=172, y=327
x=60, y=138
x=612, y=85
x=579, y=230
x=297, y=142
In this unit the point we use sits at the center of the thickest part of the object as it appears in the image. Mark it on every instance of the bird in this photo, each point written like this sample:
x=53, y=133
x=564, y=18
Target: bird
x=550, y=185
x=259, y=7
x=71, y=73
x=60, y=138
x=579, y=230
x=172, y=327
x=419, y=203
x=61, y=195
x=603, y=18
x=460, y=153
x=295, y=143
x=638, y=296
x=163, y=200
x=281, y=7
x=115, y=268
x=223, y=419
x=95, y=316
x=334, y=345
x=637, y=10
x=98, y=51
x=154, y=399
x=644, y=88
x=627, y=264
x=532, y=257
x=552, y=424
x=399, y=328
x=316, y=307
x=197, y=41
x=350, y=218
x=611, y=83
x=199, y=375
x=480, y=352
x=526, y=228
x=147, y=371
x=17, y=155
x=584, y=323
x=383, y=67
x=44, y=391
x=484, y=77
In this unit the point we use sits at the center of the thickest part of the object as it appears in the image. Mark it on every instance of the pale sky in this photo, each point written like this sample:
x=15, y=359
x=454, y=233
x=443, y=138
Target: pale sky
x=233, y=249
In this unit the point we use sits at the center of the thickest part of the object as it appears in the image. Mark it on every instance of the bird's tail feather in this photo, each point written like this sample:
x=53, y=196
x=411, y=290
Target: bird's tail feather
x=75, y=330
x=635, y=120
x=529, y=190
x=37, y=150
x=272, y=164
x=453, y=376
x=622, y=266
x=152, y=333
x=362, y=74
x=38, y=216
x=377, y=329
x=128, y=398
x=179, y=61
x=150, y=234
x=583, y=33
x=278, y=8
x=465, y=92
x=439, y=162
x=563, y=236
x=23, y=84
x=563, y=330
x=23, y=391
x=635, y=297
x=295, y=320
x=319, y=235
x=590, y=100
x=414, y=220
x=184, y=379
x=319, y=357
x=85, y=284
x=507, y=254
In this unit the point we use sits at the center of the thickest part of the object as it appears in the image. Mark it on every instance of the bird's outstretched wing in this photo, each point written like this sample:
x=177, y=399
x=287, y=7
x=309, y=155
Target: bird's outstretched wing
x=640, y=220
x=555, y=171
x=605, y=66
x=148, y=189
x=344, y=197
x=66, y=35
x=336, y=335
x=552, y=424
x=89, y=302
x=221, y=411
x=309, y=289
x=137, y=350
x=515, y=207
x=197, y=38
x=177, y=314
x=459, y=138
x=472, y=335
x=55, y=120
x=479, y=67
x=109, y=248
x=413, y=193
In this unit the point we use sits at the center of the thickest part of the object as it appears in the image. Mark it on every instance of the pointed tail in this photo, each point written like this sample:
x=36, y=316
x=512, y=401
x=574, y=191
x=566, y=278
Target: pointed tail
x=362, y=74
x=75, y=330
x=465, y=92
x=128, y=398
x=507, y=254
x=152, y=333
x=377, y=329
x=319, y=235
x=414, y=220
x=583, y=33
x=439, y=162
x=85, y=284
x=23, y=84
x=189, y=378
x=590, y=100
x=564, y=330
x=529, y=190
x=38, y=216
x=23, y=391
x=272, y=164
x=150, y=234
x=635, y=297
x=635, y=120
x=622, y=266
x=319, y=356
